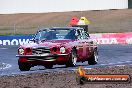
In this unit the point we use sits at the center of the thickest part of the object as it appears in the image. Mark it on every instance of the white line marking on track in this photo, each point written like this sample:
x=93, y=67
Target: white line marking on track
x=110, y=63
x=124, y=62
x=5, y=66
x=84, y=68
x=128, y=61
x=3, y=48
x=120, y=65
x=103, y=64
x=120, y=62
x=73, y=69
x=87, y=68
x=113, y=64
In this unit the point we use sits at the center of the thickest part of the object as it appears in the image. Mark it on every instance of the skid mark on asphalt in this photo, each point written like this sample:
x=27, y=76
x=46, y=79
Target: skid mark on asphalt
x=5, y=66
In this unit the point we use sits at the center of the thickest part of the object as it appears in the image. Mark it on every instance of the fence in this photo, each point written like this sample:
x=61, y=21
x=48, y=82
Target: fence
x=15, y=29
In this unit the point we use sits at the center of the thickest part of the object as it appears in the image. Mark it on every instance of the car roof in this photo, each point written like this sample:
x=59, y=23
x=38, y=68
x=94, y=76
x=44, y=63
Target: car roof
x=66, y=27
x=52, y=28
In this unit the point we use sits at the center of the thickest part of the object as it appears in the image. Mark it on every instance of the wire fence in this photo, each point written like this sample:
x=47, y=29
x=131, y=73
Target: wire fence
x=15, y=29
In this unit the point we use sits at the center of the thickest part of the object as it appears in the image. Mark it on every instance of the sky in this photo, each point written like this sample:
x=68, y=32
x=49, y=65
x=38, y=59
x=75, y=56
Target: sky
x=31, y=6
x=22, y=5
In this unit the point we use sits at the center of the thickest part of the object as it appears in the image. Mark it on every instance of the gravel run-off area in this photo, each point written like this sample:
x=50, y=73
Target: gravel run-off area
x=64, y=79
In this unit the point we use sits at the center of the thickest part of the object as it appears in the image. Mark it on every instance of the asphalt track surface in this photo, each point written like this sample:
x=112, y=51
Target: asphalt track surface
x=109, y=55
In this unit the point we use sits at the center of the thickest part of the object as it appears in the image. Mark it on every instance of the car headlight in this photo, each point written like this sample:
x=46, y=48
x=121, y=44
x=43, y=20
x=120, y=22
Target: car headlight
x=21, y=51
x=62, y=50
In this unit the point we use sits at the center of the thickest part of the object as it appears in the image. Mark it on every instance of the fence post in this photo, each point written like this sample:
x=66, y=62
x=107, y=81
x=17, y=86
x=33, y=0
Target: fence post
x=14, y=27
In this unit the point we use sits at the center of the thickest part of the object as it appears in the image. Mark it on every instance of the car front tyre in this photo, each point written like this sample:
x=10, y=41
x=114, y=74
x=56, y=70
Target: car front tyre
x=48, y=66
x=24, y=66
x=94, y=58
x=73, y=59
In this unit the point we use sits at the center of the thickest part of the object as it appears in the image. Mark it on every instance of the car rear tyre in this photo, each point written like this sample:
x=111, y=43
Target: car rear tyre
x=48, y=66
x=24, y=66
x=94, y=58
x=73, y=59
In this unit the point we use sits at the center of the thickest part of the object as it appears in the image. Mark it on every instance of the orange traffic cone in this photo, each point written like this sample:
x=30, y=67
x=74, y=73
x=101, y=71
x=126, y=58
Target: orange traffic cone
x=83, y=21
x=74, y=21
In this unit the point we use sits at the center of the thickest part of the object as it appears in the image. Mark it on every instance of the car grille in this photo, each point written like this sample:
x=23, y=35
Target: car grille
x=40, y=50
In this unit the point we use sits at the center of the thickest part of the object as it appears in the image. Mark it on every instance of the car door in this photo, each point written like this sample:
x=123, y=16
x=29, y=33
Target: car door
x=85, y=45
x=88, y=44
x=81, y=47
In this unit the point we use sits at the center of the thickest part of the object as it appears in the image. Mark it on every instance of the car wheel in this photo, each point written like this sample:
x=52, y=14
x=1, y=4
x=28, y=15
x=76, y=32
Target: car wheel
x=94, y=58
x=24, y=66
x=48, y=66
x=73, y=59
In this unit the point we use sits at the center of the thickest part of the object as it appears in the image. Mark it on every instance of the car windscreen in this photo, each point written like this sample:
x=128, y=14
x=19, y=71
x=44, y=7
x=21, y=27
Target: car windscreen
x=39, y=35
x=56, y=34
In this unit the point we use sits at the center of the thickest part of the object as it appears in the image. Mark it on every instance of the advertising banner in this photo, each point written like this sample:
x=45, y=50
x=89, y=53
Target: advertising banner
x=14, y=40
x=112, y=38
x=100, y=38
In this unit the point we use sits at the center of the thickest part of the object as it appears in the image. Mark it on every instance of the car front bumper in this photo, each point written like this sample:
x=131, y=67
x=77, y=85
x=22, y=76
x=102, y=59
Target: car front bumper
x=42, y=57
